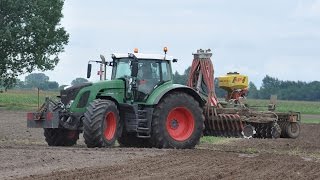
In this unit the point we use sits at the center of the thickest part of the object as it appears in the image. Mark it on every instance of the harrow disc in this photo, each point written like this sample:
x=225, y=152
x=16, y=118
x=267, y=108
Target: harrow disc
x=275, y=131
x=248, y=131
x=227, y=125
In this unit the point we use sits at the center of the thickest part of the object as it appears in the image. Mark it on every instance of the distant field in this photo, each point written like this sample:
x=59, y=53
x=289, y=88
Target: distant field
x=310, y=110
x=305, y=107
x=28, y=100
x=23, y=100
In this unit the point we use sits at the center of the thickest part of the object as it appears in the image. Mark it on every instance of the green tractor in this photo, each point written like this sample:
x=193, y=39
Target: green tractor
x=139, y=107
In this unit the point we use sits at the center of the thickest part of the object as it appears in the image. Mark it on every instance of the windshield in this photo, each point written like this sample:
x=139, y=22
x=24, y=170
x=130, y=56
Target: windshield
x=122, y=68
x=157, y=70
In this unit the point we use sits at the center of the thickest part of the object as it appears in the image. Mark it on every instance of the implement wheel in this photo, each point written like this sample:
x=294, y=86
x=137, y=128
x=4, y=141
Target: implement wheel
x=293, y=130
x=178, y=122
x=101, y=125
x=61, y=137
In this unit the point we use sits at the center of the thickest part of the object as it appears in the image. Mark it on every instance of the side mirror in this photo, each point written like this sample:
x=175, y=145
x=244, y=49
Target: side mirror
x=174, y=60
x=134, y=71
x=89, y=70
x=102, y=58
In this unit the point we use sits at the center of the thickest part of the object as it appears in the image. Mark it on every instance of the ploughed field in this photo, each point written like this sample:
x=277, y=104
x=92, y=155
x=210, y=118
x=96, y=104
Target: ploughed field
x=24, y=154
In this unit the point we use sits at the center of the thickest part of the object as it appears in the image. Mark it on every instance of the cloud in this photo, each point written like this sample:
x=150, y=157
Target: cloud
x=293, y=68
x=308, y=9
x=253, y=37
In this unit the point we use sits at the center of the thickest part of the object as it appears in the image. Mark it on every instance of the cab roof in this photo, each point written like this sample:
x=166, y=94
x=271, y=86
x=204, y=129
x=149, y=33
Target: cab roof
x=143, y=56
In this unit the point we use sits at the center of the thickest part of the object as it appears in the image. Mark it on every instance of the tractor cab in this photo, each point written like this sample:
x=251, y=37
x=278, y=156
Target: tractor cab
x=151, y=72
x=142, y=73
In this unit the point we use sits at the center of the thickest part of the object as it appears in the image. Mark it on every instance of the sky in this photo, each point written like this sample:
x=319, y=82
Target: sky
x=255, y=38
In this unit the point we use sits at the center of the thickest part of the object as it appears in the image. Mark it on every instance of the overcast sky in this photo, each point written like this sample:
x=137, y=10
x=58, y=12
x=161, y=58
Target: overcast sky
x=256, y=38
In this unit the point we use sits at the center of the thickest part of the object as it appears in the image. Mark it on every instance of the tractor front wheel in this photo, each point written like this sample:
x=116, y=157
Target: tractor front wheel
x=101, y=125
x=178, y=122
x=61, y=137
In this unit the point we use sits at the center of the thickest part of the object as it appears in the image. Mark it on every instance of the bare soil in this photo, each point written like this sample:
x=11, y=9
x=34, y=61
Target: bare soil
x=25, y=155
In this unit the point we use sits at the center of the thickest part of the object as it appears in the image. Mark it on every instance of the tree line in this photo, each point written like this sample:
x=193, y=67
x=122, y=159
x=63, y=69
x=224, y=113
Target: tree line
x=42, y=81
x=285, y=90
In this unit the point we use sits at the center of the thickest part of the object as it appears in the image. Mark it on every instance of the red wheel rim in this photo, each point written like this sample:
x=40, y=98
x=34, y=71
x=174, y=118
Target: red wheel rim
x=110, y=126
x=180, y=123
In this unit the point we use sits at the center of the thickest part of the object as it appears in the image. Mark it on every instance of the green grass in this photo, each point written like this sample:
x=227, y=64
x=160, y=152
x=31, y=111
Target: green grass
x=23, y=100
x=305, y=107
x=311, y=121
x=28, y=100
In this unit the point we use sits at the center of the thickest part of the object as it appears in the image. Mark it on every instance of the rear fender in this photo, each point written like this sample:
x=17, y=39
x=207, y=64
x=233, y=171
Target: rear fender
x=165, y=89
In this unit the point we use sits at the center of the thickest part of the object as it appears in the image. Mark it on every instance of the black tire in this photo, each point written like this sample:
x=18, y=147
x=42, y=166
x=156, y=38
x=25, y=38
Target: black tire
x=275, y=131
x=293, y=130
x=174, y=111
x=131, y=140
x=96, y=130
x=61, y=137
x=283, y=125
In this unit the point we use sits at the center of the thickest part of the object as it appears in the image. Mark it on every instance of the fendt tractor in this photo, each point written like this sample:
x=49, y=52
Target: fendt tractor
x=141, y=107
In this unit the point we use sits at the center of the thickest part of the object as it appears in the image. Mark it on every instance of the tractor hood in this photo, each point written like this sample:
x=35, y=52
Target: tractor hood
x=109, y=84
x=112, y=89
x=71, y=92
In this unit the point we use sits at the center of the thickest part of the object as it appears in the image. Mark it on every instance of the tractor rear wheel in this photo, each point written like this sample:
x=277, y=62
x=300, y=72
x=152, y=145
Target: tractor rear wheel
x=61, y=137
x=101, y=125
x=130, y=140
x=178, y=122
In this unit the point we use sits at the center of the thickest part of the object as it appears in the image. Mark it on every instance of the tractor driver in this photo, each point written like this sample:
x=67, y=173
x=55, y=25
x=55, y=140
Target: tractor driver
x=146, y=81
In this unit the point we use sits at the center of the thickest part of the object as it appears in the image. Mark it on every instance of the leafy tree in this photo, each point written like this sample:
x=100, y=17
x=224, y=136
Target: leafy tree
x=181, y=79
x=36, y=80
x=78, y=81
x=289, y=90
x=19, y=84
x=221, y=93
x=177, y=78
x=53, y=85
x=253, y=91
x=40, y=80
x=269, y=86
x=31, y=37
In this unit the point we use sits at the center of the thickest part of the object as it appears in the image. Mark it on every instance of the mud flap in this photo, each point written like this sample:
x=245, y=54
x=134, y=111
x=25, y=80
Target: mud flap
x=43, y=120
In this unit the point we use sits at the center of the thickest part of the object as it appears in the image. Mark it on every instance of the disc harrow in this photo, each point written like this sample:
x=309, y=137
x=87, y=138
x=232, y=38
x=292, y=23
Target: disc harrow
x=234, y=125
x=289, y=129
x=227, y=125
x=233, y=117
x=267, y=130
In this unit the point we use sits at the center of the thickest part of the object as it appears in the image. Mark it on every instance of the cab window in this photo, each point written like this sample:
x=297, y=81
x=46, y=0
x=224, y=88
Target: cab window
x=166, y=75
x=122, y=68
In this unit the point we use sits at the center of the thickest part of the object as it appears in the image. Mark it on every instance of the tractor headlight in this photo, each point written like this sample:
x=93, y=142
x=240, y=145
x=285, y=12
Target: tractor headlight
x=66, y=87
x=69, y=104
